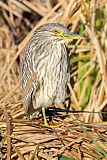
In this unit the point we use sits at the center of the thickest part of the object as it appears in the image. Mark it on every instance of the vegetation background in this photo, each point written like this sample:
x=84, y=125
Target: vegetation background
x=80, y=133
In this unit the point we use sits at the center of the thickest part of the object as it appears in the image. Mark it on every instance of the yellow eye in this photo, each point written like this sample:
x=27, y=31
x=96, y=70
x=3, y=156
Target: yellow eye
x=56, y=31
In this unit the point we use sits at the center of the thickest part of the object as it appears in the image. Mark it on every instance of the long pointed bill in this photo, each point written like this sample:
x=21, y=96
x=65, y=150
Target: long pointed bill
x=70, y=36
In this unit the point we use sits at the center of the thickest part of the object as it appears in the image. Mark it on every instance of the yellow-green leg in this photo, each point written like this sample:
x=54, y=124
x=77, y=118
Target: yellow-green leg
x=44, y=116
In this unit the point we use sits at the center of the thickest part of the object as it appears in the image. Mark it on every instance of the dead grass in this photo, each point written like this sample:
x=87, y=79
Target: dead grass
x=80, y=135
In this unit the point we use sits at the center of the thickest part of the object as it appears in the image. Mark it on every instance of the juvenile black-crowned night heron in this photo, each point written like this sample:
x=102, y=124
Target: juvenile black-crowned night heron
x=44, y=68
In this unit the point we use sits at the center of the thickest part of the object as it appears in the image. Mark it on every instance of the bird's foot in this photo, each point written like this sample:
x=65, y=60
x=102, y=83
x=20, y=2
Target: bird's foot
x=53, y=126
x=46, y=123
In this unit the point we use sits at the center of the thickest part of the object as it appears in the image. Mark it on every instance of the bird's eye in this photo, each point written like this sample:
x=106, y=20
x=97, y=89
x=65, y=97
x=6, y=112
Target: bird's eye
x=56, y=31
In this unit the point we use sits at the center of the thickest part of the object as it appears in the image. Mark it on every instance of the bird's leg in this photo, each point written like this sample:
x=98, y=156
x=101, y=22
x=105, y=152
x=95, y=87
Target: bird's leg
x=44, y=116
x=45, y=120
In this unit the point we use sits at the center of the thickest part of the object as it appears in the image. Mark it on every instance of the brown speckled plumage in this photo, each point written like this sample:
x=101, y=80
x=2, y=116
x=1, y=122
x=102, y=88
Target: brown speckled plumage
x=44, y=69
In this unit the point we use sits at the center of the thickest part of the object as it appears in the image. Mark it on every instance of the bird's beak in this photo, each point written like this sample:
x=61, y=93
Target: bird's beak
x=71, y=36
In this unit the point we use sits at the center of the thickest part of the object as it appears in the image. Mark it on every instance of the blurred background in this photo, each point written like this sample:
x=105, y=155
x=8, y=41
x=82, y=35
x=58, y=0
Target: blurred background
x=18, y=20
x=87, y=92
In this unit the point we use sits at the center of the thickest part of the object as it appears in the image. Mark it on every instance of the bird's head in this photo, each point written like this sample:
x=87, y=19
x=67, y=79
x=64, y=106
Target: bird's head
x=56, y=32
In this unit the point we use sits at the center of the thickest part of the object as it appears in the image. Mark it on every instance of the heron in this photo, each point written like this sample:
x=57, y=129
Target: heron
x=45, y=69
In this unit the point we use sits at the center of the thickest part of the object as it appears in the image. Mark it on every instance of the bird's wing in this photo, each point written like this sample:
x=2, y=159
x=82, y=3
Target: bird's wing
x=29, y=82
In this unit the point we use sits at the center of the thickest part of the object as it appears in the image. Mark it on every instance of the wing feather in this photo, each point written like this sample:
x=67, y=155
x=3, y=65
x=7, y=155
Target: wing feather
x=28, y=81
